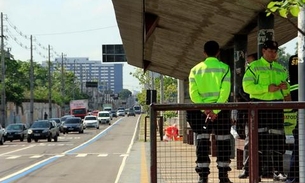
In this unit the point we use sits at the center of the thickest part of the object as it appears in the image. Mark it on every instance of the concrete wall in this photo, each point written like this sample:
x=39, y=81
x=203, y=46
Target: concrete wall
x=22, y=114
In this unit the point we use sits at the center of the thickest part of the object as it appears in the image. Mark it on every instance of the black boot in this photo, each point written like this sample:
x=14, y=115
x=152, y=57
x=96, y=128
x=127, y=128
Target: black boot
x=203, y=180
x=203, y=174
x=244, y=174
x=223, y=175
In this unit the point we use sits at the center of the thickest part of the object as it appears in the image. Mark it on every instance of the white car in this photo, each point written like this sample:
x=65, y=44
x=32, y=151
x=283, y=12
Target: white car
x=120, y=113
x=91, y=121
x=104, y=117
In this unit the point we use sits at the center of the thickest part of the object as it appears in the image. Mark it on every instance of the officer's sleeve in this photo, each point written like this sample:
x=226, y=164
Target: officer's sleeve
x=225, y=88
x=250, y=85
x=193, y=89
x=286, y=92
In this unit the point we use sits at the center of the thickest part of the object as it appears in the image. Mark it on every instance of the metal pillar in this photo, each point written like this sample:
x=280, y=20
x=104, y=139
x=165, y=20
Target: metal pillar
x=301, y=71
x=265, y=31
x=240, y=51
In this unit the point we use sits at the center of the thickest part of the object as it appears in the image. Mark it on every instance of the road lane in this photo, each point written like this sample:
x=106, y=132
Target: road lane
x=16, y=155
x=98, y=160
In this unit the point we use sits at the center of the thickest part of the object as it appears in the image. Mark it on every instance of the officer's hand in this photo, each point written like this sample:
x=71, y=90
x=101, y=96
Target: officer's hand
x=283, y=85
x=273, y=88
x=207, y=112
x=213, y=116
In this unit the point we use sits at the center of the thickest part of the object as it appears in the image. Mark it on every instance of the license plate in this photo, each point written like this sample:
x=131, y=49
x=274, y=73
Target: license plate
x=10, y=136
x=37, y=134
x=71, y=128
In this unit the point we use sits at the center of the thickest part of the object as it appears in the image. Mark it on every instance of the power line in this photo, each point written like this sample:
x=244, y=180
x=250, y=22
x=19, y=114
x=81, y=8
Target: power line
x=74, y=32
x=27, y=38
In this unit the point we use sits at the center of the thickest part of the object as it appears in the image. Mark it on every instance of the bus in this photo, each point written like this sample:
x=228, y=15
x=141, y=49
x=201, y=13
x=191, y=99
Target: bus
x=137, y=109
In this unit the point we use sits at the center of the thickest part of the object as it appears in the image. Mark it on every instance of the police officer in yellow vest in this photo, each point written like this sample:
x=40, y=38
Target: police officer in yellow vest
x=210, y=82
x=265, y=80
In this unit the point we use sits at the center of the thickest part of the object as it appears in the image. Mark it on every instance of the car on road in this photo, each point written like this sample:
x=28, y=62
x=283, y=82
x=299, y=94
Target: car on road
x=62, y=120
x=91, y=121
x=2, y=134
x=16, y=131
x=121, y=112
x=131, y=112
x=73, y=124
x=58, y=124
x=114, y=113
x=104, y=117
x=43, y=129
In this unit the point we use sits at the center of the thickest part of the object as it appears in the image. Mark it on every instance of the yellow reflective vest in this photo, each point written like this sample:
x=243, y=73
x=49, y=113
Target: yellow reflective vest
x=210, y=82
x=259, y=75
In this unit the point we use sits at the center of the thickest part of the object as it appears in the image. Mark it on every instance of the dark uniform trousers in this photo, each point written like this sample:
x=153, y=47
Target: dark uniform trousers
x=221, y=128
x=271, y=140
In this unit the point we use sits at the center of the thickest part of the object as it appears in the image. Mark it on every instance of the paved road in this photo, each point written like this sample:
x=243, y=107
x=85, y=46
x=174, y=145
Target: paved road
x=95, y=156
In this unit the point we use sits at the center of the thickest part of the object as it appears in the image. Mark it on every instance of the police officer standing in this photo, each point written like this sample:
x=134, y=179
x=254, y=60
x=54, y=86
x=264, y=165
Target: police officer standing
x=210, y=82
x=266, y=80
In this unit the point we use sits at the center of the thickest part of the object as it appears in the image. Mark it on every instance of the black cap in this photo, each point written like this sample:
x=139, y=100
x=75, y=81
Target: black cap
x=271, y=45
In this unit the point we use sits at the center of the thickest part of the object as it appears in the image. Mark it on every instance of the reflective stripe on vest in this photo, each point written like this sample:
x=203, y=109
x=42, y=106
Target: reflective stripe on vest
x=222, y=137
x=203, y=136
x=203, y=165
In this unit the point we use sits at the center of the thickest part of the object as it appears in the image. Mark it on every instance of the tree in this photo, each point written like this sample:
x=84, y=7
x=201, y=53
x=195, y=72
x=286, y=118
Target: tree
x=283, y=57
x=124, y=94
x=169, y=85
x=286, y=9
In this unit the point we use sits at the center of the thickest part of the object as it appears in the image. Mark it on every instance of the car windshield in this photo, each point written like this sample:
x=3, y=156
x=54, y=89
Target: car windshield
x=72, y=121
x=103, y=114
x=57, y=120
x=14, y=127
x=79, y=111
x=90, y=118
x=41, y=124
x=64, y=118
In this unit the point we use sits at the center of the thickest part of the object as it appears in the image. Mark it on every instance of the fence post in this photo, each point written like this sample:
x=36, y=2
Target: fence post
x=153, y=144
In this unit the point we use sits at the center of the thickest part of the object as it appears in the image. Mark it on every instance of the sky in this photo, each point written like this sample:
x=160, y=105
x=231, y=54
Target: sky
x=76, y=28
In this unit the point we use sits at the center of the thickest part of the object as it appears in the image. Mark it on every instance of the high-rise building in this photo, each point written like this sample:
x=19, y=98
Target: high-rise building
x=108, y=75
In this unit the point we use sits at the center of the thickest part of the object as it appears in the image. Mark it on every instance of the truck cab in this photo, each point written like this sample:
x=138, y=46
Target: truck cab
x=79, y=112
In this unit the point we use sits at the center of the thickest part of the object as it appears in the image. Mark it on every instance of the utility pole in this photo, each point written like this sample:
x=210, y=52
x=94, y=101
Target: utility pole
x=3, y=106
x=31, y=85
x=62, y=82
x=74, y=81
x=50, y=84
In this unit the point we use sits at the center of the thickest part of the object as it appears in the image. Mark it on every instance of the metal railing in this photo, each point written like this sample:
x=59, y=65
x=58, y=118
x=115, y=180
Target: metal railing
x=252, y=108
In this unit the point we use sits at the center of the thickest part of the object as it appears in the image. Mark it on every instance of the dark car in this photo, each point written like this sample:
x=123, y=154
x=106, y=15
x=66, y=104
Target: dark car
x=16, y=131
x=2, y=134
x=43, y=129
x=114, y=113
x=131, y=112
x=73, y=124
x=62, y=120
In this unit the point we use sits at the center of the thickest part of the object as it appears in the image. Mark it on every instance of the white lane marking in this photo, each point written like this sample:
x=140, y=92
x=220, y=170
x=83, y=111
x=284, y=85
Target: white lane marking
x=36, y=156
x=13, y=157
x=102, y=155
x=10, y=152
x=81, y=155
